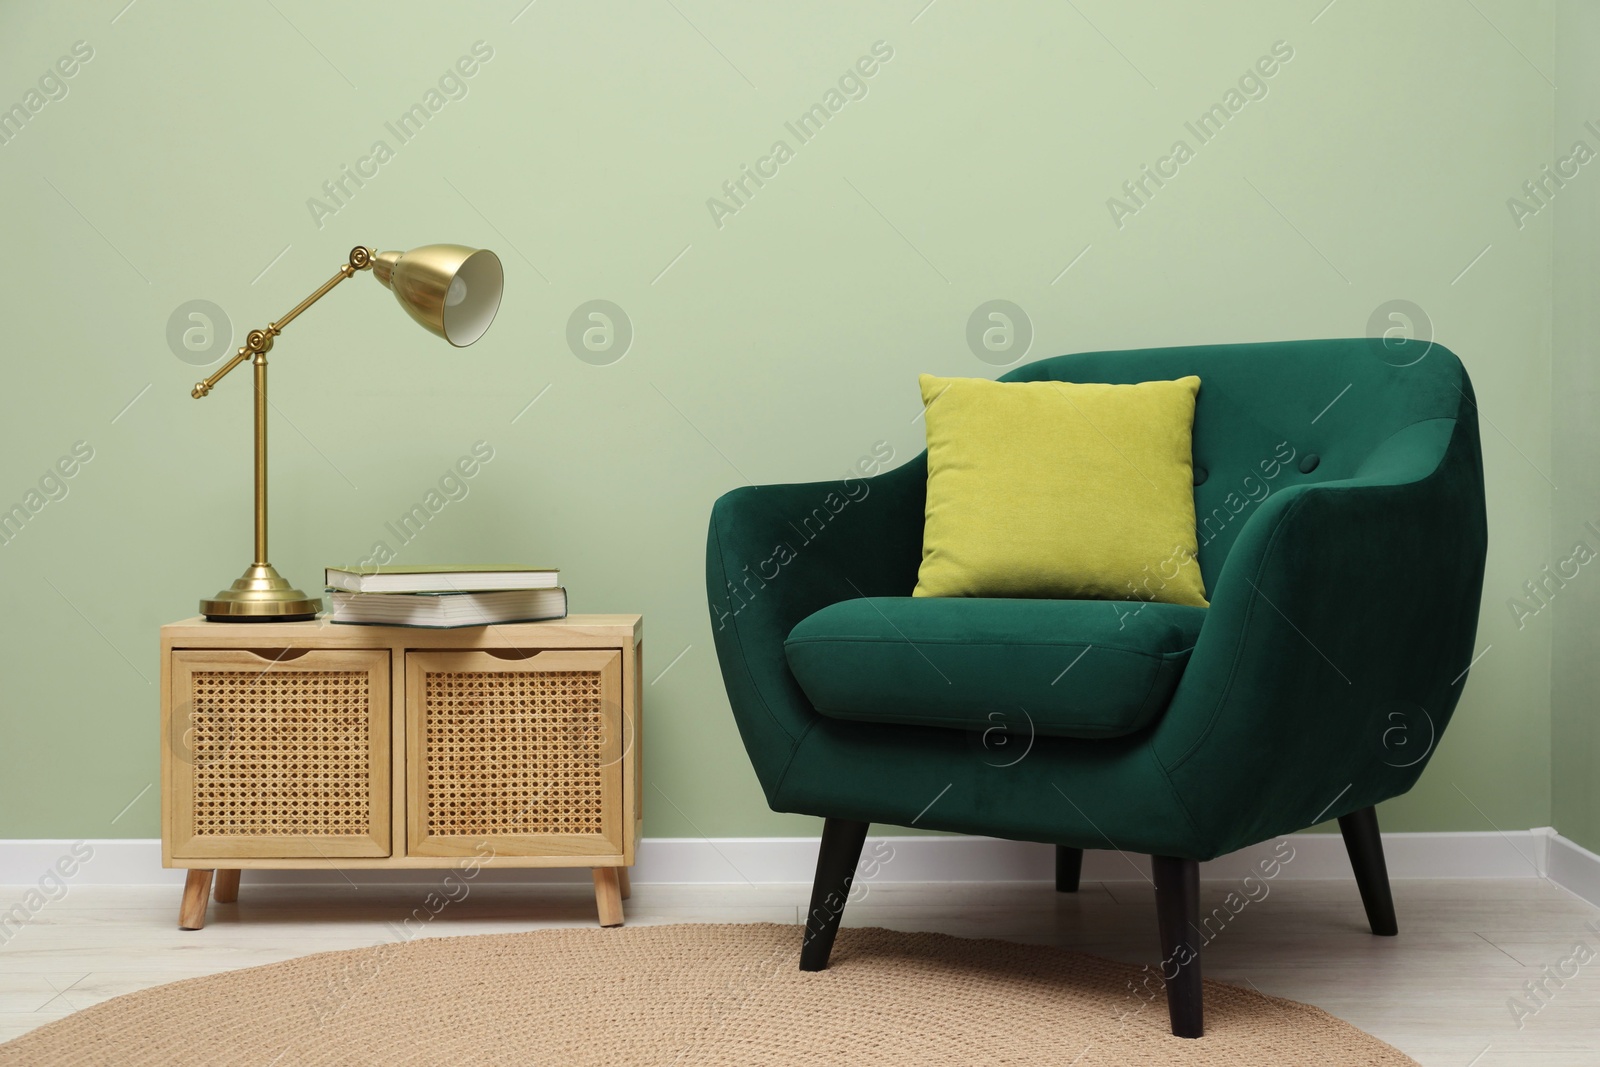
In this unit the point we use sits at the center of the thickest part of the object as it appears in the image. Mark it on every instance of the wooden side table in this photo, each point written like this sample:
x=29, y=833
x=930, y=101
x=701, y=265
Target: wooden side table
x=315, y=745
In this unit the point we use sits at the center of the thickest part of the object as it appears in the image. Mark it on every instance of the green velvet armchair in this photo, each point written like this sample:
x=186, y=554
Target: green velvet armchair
x=1340, y=513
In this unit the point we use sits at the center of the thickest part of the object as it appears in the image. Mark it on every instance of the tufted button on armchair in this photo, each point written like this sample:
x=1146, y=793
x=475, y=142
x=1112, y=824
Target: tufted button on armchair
x=1341, y=528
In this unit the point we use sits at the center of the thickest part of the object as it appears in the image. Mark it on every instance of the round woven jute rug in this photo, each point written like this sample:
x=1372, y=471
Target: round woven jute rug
x=690, y=995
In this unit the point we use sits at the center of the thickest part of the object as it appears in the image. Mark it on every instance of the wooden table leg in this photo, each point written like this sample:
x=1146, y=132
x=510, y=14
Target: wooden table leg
x=626, y=882
x=196, y=895
x=226, y=888
x=608, y=895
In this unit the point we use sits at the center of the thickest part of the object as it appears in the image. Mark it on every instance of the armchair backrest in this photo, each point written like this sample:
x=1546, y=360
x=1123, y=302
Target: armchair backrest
x=1281, y=413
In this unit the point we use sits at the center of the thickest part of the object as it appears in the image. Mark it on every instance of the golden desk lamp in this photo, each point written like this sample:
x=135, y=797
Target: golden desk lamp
x=452, y=290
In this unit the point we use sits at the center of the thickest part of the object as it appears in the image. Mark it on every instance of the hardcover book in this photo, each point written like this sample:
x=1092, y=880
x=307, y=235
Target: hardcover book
x=467, y=578
x=447, y=610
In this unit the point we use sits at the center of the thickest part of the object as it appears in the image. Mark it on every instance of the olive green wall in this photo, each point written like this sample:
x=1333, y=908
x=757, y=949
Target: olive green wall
x=1575, y=599
x=774, y=337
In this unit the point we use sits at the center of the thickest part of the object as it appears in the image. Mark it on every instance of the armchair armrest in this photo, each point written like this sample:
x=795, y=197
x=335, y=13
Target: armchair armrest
x=777, y=553
x=1337, y=641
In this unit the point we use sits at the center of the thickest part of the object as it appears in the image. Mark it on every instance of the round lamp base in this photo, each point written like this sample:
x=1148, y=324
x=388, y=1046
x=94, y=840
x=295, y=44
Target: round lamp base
x=261, y=594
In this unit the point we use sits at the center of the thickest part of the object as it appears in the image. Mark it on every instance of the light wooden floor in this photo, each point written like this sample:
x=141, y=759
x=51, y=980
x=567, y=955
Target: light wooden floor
x=1439, y=991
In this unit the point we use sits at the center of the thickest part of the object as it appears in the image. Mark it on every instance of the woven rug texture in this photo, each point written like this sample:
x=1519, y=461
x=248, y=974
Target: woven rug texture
x=693, y=995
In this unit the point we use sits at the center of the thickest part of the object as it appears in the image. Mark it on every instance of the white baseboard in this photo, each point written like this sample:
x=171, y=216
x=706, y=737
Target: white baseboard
x=1519, y=854
x=1575, y=868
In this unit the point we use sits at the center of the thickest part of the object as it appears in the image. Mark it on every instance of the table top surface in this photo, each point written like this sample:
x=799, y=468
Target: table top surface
x=321, y=632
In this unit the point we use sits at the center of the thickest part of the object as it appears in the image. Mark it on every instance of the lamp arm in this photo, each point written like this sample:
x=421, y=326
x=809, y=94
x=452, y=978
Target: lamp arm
x=259, y=342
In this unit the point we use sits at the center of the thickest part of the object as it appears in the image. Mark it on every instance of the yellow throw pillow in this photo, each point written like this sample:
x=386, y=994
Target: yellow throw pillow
x=1060, y=489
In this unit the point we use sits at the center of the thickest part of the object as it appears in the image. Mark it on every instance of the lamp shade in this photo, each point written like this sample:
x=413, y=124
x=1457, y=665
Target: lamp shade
x=452, y=290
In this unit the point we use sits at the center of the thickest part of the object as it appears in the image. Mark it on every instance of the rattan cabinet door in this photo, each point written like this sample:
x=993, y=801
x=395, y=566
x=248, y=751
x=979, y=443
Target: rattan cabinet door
x=280, y=754
x=522, y=756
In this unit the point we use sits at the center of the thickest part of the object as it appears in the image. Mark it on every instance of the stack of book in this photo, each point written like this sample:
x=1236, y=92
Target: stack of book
x=443, y=597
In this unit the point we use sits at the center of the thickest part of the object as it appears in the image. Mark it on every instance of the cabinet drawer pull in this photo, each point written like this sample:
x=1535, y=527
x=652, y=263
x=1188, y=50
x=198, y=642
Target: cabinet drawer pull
x=513, y=653
x=277, y=655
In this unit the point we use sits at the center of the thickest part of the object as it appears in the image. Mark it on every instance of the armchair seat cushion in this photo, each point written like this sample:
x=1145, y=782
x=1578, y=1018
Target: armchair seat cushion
x=1054, y=668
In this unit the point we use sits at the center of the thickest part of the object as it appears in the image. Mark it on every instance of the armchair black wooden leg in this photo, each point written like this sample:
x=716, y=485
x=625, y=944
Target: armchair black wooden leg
x=1361, y=840
x=1069, y=867
x=1178, y=913
x=842, y=840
